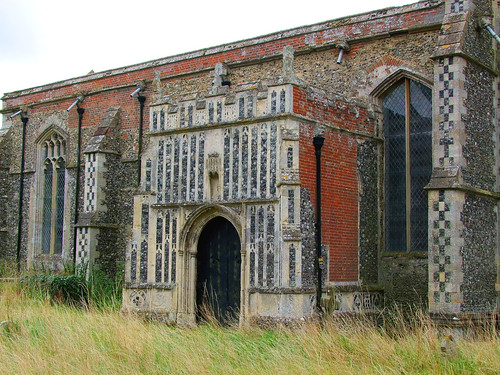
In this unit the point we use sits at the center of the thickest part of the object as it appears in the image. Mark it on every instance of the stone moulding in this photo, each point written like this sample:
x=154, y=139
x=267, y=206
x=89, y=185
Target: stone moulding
x=129, y=285
x=451, y=178
x=282, y=290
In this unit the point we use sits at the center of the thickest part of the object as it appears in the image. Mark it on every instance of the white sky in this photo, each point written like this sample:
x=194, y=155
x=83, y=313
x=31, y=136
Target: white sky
x=44, y=41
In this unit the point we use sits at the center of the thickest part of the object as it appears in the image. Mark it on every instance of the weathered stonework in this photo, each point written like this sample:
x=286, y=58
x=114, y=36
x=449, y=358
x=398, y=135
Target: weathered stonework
x=463, y=213
x=479, y=255
x=308, y=239
x=368, y=176
x=479, y=148
x=404, y=280
x=5, y=189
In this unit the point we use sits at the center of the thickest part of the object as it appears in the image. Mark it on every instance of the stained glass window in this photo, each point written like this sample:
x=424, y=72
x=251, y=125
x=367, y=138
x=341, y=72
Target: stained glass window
x=408, y=165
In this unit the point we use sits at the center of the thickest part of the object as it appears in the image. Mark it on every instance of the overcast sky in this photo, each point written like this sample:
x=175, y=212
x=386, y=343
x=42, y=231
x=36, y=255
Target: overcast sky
x=44, y=41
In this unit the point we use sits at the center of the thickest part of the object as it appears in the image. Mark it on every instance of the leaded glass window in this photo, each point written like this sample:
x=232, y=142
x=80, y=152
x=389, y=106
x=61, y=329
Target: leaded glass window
x=53, y=188
x=408, y=165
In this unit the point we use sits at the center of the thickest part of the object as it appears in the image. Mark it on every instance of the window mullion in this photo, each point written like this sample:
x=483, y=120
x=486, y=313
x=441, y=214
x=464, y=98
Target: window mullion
x=407, y=162
x=54, y=208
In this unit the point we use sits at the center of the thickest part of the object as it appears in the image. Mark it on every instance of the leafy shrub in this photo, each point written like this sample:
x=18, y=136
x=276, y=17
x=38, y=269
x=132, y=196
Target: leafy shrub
x=69, y=289
x=98, y=291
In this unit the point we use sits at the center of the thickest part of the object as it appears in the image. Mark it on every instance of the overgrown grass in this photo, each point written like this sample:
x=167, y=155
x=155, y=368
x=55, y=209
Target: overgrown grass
x=73, y=288
x=8, y=269
x=42, y=337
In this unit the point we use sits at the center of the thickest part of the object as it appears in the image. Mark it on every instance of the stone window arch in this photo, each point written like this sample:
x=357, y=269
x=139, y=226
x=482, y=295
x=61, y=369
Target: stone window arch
x=50, y=229
x=52, y=193
x=407, y=129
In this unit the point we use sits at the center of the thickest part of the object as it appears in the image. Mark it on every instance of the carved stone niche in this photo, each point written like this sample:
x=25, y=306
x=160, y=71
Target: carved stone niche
x=213, y=169
x=213, y=163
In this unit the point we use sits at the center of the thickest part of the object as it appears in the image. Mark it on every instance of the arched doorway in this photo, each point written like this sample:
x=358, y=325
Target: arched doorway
x=218, y=281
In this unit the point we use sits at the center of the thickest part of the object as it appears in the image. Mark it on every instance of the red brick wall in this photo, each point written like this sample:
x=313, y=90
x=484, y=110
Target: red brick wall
x=339, y=196
x=96, y=105
x=266, y=46
x=331, y=111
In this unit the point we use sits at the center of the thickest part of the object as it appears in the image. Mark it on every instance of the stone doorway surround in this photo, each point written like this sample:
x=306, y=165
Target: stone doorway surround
x=186, y=297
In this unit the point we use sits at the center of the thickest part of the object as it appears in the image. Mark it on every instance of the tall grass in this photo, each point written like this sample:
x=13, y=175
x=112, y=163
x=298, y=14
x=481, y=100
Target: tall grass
x=97, y=289
x=8, y=269
x=42, y=337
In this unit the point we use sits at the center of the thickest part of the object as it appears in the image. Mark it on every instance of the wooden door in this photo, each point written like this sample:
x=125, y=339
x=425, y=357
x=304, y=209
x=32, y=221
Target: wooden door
x=218, y=282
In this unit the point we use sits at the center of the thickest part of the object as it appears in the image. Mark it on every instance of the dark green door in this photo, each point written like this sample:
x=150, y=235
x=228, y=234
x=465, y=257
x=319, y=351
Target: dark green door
x=218, y=280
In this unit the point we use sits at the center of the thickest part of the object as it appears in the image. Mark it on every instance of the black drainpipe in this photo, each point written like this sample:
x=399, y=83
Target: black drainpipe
x=77, y=187
x=21, y=193
x=141, y=99
x=318, y=143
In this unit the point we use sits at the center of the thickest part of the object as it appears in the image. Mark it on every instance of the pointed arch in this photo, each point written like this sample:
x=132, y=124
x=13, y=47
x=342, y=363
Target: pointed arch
x=218, y=271
x=390, y=81
x=188, y=248
x=406, y=101
x=54, y=182
x=197, y=221
x=47, y=132
x=50, y=215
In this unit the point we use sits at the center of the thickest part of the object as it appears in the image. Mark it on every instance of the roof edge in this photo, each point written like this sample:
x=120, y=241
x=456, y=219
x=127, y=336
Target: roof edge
x=357, y=18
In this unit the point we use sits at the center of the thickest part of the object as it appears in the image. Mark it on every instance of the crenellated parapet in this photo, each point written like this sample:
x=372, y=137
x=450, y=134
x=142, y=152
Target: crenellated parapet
x=253, y=102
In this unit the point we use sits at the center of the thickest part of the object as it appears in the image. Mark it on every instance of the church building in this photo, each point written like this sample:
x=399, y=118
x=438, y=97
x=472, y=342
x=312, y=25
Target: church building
x=356, y=159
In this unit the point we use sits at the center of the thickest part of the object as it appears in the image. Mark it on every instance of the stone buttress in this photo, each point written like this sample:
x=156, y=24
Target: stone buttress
x=96, y=219
x=463, y=191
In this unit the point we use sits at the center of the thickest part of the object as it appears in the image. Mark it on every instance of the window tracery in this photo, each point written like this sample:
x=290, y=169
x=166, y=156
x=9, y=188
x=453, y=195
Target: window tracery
x=53, y=191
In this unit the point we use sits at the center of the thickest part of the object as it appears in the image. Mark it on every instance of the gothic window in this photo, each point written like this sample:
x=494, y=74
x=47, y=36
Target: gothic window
x=407, y=111
x=53, y=188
